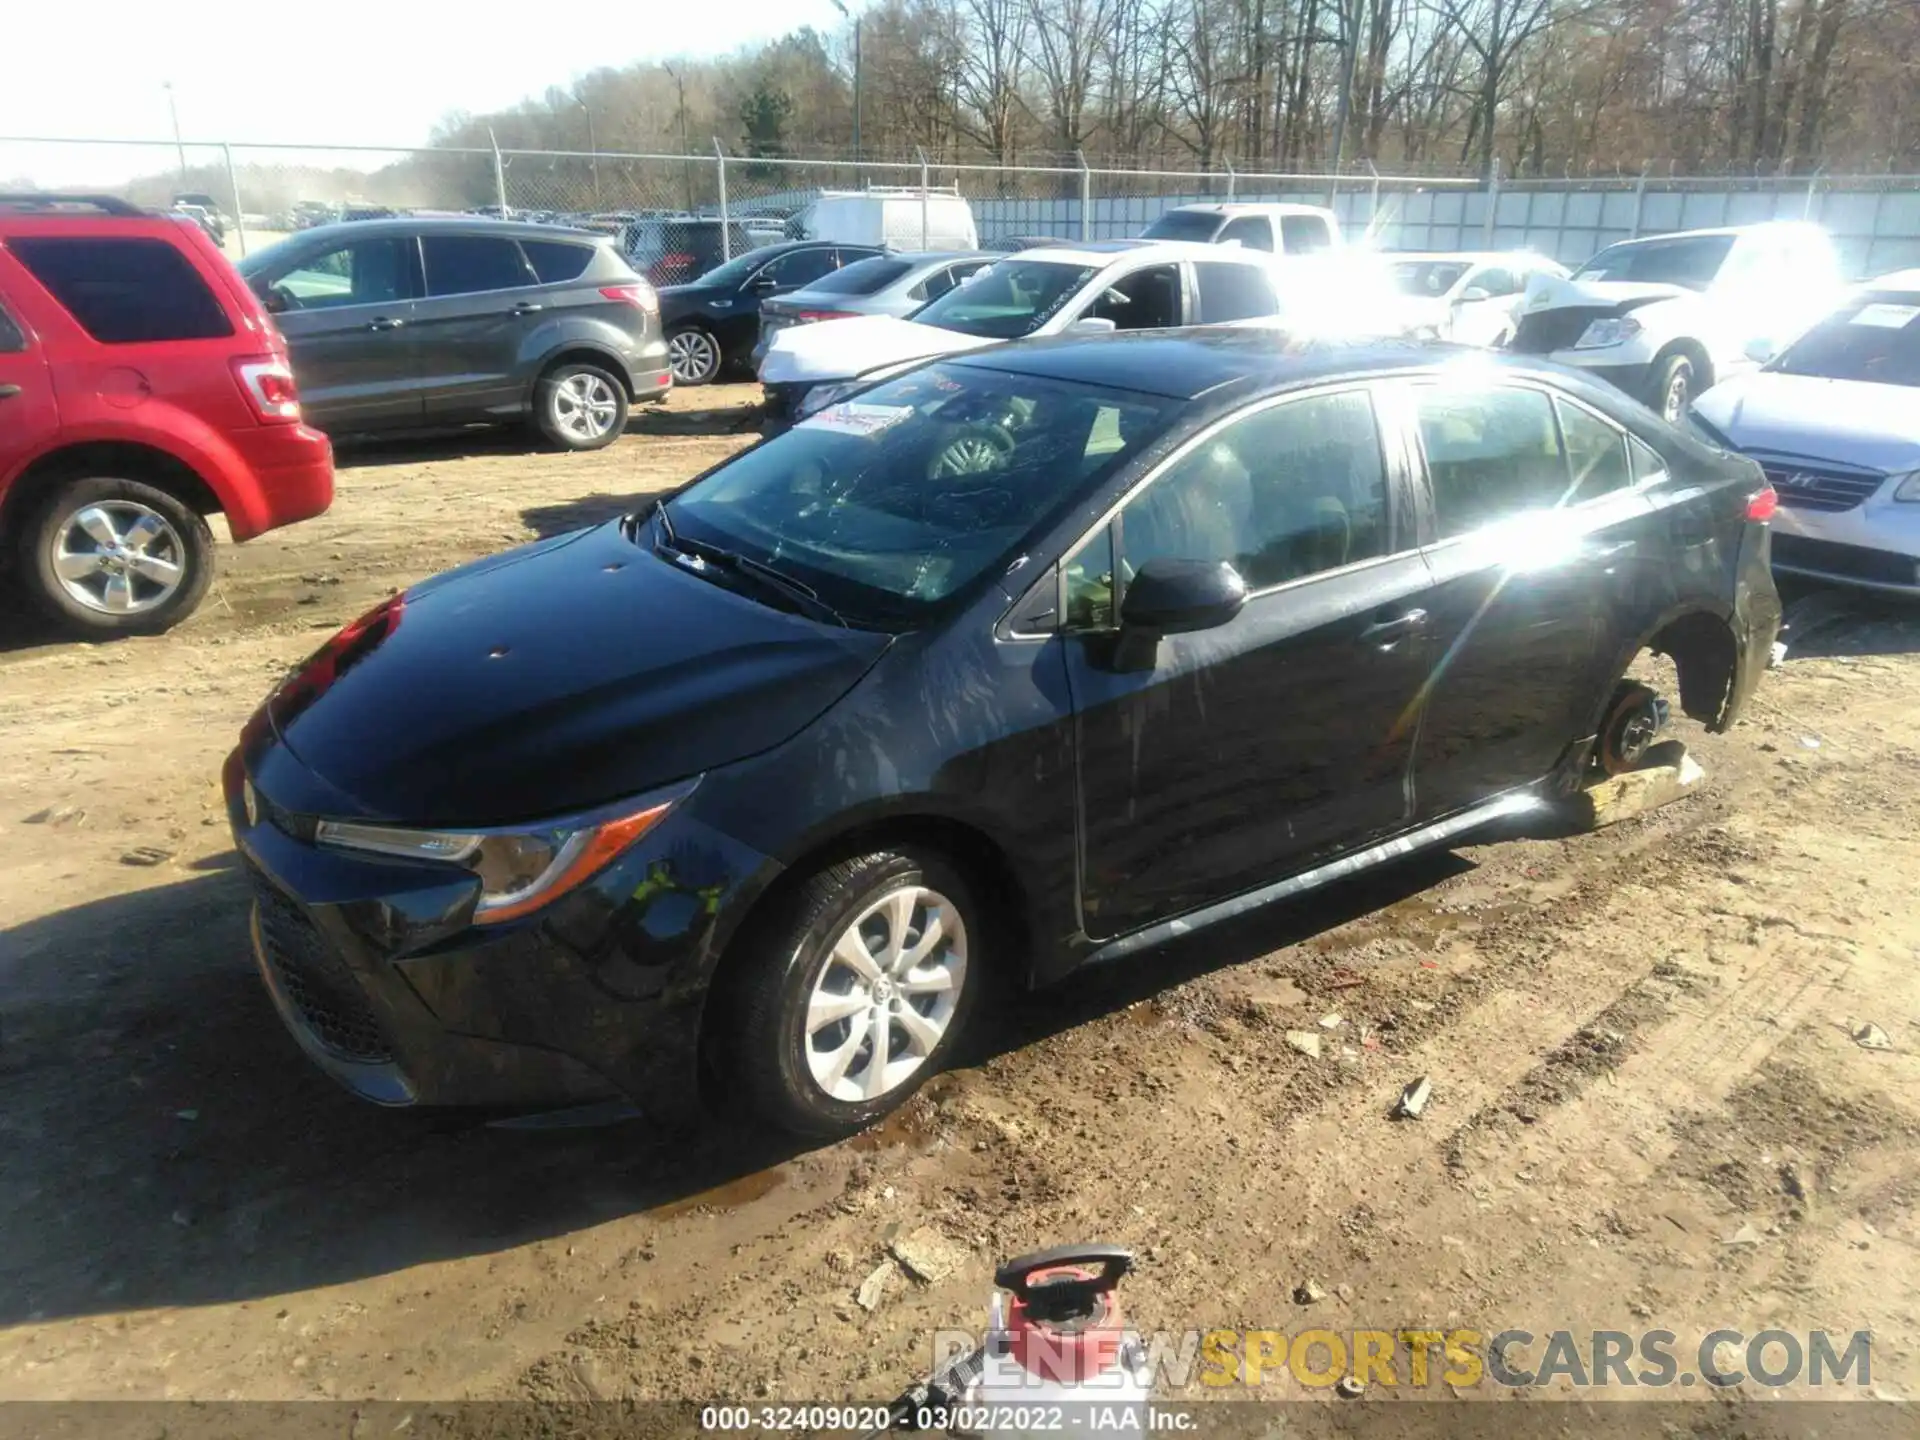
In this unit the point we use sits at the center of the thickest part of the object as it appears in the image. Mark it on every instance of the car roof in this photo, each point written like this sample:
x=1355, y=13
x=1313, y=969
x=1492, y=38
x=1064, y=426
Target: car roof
x=1191, y=363
x=449, y=225
x=1759, y=227
x=1467, y=257
x=1107, y=252
x=1897, y=280
x=1250, y=207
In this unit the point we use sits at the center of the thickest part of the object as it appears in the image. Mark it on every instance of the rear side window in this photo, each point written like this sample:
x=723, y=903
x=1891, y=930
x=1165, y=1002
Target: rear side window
x=1234, y=292
x=469, y=264
x=12, y=342
x=1647, y=461
x=125, y=291
x=555, y=261
x=1304, y=234
x=1492, y=453
x=1597, y=451
x=863, y=277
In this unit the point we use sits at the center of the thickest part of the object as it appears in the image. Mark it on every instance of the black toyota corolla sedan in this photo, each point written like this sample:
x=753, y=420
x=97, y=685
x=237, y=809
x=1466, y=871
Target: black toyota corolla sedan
x=1013, y=663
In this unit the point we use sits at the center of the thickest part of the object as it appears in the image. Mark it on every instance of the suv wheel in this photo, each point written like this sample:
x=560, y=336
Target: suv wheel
x=580, y=407
x=694, y=356
x=850, y=1002
x=1673, y=388
x=116, y=557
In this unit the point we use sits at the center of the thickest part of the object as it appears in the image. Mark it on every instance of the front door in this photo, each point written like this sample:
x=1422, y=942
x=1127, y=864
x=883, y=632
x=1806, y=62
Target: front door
x=28, y=415
x=481, y=297
x=1535, y=549
x=1488, y=316
x=347, y=313
x=1255, y=749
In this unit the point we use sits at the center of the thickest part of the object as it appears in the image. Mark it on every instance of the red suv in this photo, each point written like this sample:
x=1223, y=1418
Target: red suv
x=142, y=388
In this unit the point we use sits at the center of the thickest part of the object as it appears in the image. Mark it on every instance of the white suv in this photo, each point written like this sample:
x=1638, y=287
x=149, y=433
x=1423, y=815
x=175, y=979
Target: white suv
x=1667, y=317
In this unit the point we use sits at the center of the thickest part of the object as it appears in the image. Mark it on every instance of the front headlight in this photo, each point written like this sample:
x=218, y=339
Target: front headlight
x=521, y=868
x=1602, y=333
x=1909, y=489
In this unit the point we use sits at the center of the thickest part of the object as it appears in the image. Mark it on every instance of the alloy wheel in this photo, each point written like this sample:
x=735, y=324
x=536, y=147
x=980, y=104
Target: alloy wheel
x=1674, y=408
x=118, y=557
x=886, y=994
x=693, y=356
x=584, y=406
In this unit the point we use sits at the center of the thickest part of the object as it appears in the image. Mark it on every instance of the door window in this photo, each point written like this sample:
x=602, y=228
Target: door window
x=1253, y=231
x=1496, y=280
x=124, y=291
x=941, y=281
x=1597, y=452
x=1233, y=292
x=12, y=341
x=793, y=270
x=472, y=264
x=555, y=261
x=1286, y=492
x=1304, y=234
x=1492, y=452
x=1145, y=300
x=367, y=272
x=1647, y=461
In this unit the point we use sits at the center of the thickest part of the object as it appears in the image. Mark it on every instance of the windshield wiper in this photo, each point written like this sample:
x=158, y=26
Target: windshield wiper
x=699, y=555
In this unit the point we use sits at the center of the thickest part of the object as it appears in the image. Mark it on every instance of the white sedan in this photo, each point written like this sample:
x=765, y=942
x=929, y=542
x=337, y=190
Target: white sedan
x=1473, y=298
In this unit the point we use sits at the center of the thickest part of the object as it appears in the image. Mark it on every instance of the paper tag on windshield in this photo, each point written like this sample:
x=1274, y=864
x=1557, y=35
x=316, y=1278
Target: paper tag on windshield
x=1887, y=317
x=854, y=418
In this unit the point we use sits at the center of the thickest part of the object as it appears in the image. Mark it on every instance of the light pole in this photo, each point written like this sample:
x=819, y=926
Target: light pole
x=593, y=147
x=686, y=148
x=841, y=7
x=179, y=150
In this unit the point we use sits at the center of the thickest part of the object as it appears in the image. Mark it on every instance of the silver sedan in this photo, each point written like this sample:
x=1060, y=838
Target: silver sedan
x=891, y=284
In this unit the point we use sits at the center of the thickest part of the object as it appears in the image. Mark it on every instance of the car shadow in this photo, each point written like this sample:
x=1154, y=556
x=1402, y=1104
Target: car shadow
x=686, y=415
x=425, y=447
x=1824, y=621
x=577, y=514
x=167, y=1144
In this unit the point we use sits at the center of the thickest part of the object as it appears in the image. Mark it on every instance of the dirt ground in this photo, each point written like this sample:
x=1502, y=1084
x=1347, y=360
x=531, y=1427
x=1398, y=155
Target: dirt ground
x=1649, y=1108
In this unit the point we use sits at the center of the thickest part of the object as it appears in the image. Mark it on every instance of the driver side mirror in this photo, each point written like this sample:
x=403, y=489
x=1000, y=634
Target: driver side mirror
x=1760, y=350
x=1471, y=294
x=1174, y=597
x=763, y=284
x=1092, y=325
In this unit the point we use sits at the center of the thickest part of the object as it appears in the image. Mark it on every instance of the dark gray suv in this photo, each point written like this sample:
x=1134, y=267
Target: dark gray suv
x=419, y=323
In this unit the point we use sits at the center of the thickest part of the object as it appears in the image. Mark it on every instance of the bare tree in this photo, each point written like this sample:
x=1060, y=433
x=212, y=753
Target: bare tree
x=1066, y=47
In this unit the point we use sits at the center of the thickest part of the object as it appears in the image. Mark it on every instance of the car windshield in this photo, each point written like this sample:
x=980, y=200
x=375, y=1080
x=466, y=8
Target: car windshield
x=1692, y=261
x=1008, y=299
x=888, y=504
x=863, y=277
x=1876, y=338
x=1426, y=277
x=1183, y=225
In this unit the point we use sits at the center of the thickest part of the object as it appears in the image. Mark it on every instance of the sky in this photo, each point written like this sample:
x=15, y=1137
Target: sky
x=342, y=72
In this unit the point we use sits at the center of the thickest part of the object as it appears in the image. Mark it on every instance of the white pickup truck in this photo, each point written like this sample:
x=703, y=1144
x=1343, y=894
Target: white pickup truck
x=1667, y=317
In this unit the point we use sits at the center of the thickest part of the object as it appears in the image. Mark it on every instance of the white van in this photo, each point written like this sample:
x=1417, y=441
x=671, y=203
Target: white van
x=901, y=218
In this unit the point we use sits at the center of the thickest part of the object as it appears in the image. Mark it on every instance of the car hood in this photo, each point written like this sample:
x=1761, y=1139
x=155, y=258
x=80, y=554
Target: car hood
x=555, y=677
x=842, y=349
x=1552, y=292
x=1848, y=422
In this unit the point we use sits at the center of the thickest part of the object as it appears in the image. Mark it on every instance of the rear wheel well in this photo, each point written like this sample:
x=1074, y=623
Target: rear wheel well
x=1704, y=651
x=117, y=459
x=599, y=359
x=984, y=865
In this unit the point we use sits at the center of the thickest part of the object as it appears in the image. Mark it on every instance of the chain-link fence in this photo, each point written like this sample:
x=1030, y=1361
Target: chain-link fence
x=261, y=192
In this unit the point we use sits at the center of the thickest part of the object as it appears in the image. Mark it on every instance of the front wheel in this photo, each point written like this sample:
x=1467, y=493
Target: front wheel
x=110, y=556
x=694, y=356
x=850, y=1001
x=1672, y=390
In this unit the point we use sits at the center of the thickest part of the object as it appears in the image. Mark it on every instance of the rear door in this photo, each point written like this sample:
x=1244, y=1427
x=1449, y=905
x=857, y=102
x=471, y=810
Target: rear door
x=1535, y=545
x=347, y=313
x=29, y=417
x=481, y=297
x=1224, y=291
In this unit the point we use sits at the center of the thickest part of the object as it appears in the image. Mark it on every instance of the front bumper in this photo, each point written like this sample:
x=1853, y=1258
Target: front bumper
x=1874, y=546
x=384, y=985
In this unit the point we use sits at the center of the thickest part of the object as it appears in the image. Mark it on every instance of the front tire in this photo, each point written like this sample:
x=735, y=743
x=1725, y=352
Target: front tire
x=580, y=407
x=108, y=556
x=852, y=996
x=1673, y=388
x=694, y=354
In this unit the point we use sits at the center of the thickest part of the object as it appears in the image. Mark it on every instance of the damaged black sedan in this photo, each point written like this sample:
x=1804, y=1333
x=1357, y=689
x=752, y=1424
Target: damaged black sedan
x=1016, y=662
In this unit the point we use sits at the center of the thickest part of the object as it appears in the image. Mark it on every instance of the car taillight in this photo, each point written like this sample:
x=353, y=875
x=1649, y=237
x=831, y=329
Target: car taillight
x=268, y=383
x=1762, y=503
x=639, y=294
x=810, y=315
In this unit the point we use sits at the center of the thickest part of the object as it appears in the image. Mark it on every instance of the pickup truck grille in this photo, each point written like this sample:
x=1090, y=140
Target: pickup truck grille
x=1807, y=488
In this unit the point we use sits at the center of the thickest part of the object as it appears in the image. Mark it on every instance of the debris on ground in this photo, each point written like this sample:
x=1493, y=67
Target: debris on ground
x=928, y=1255
x=1871, y=1037
x=874, y=1287
x=1413, y=1099
x=1331, y=1021
x=1308, y=1292
x=1668, y=773
x=1305, y=1041
x=1745, y=1235
x=146, y=855
x=1348, y=1387
x=58, y=815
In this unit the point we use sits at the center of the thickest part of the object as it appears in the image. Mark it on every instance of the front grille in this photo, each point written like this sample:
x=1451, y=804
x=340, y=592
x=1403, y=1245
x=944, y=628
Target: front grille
x=1543, y=331
x=1828, y=490
x=1855, y=562
x=315, y=980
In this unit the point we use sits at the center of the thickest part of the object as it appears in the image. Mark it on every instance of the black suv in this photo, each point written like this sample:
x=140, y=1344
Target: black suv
x=417, y=323
x=712, y=323
x=1023, y=660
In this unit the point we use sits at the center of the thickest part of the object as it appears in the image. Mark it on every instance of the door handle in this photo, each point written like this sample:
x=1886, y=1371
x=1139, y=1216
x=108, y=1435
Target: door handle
x=1384, y=633
x=382, y=322
x=7, y=392
x=527, y=307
